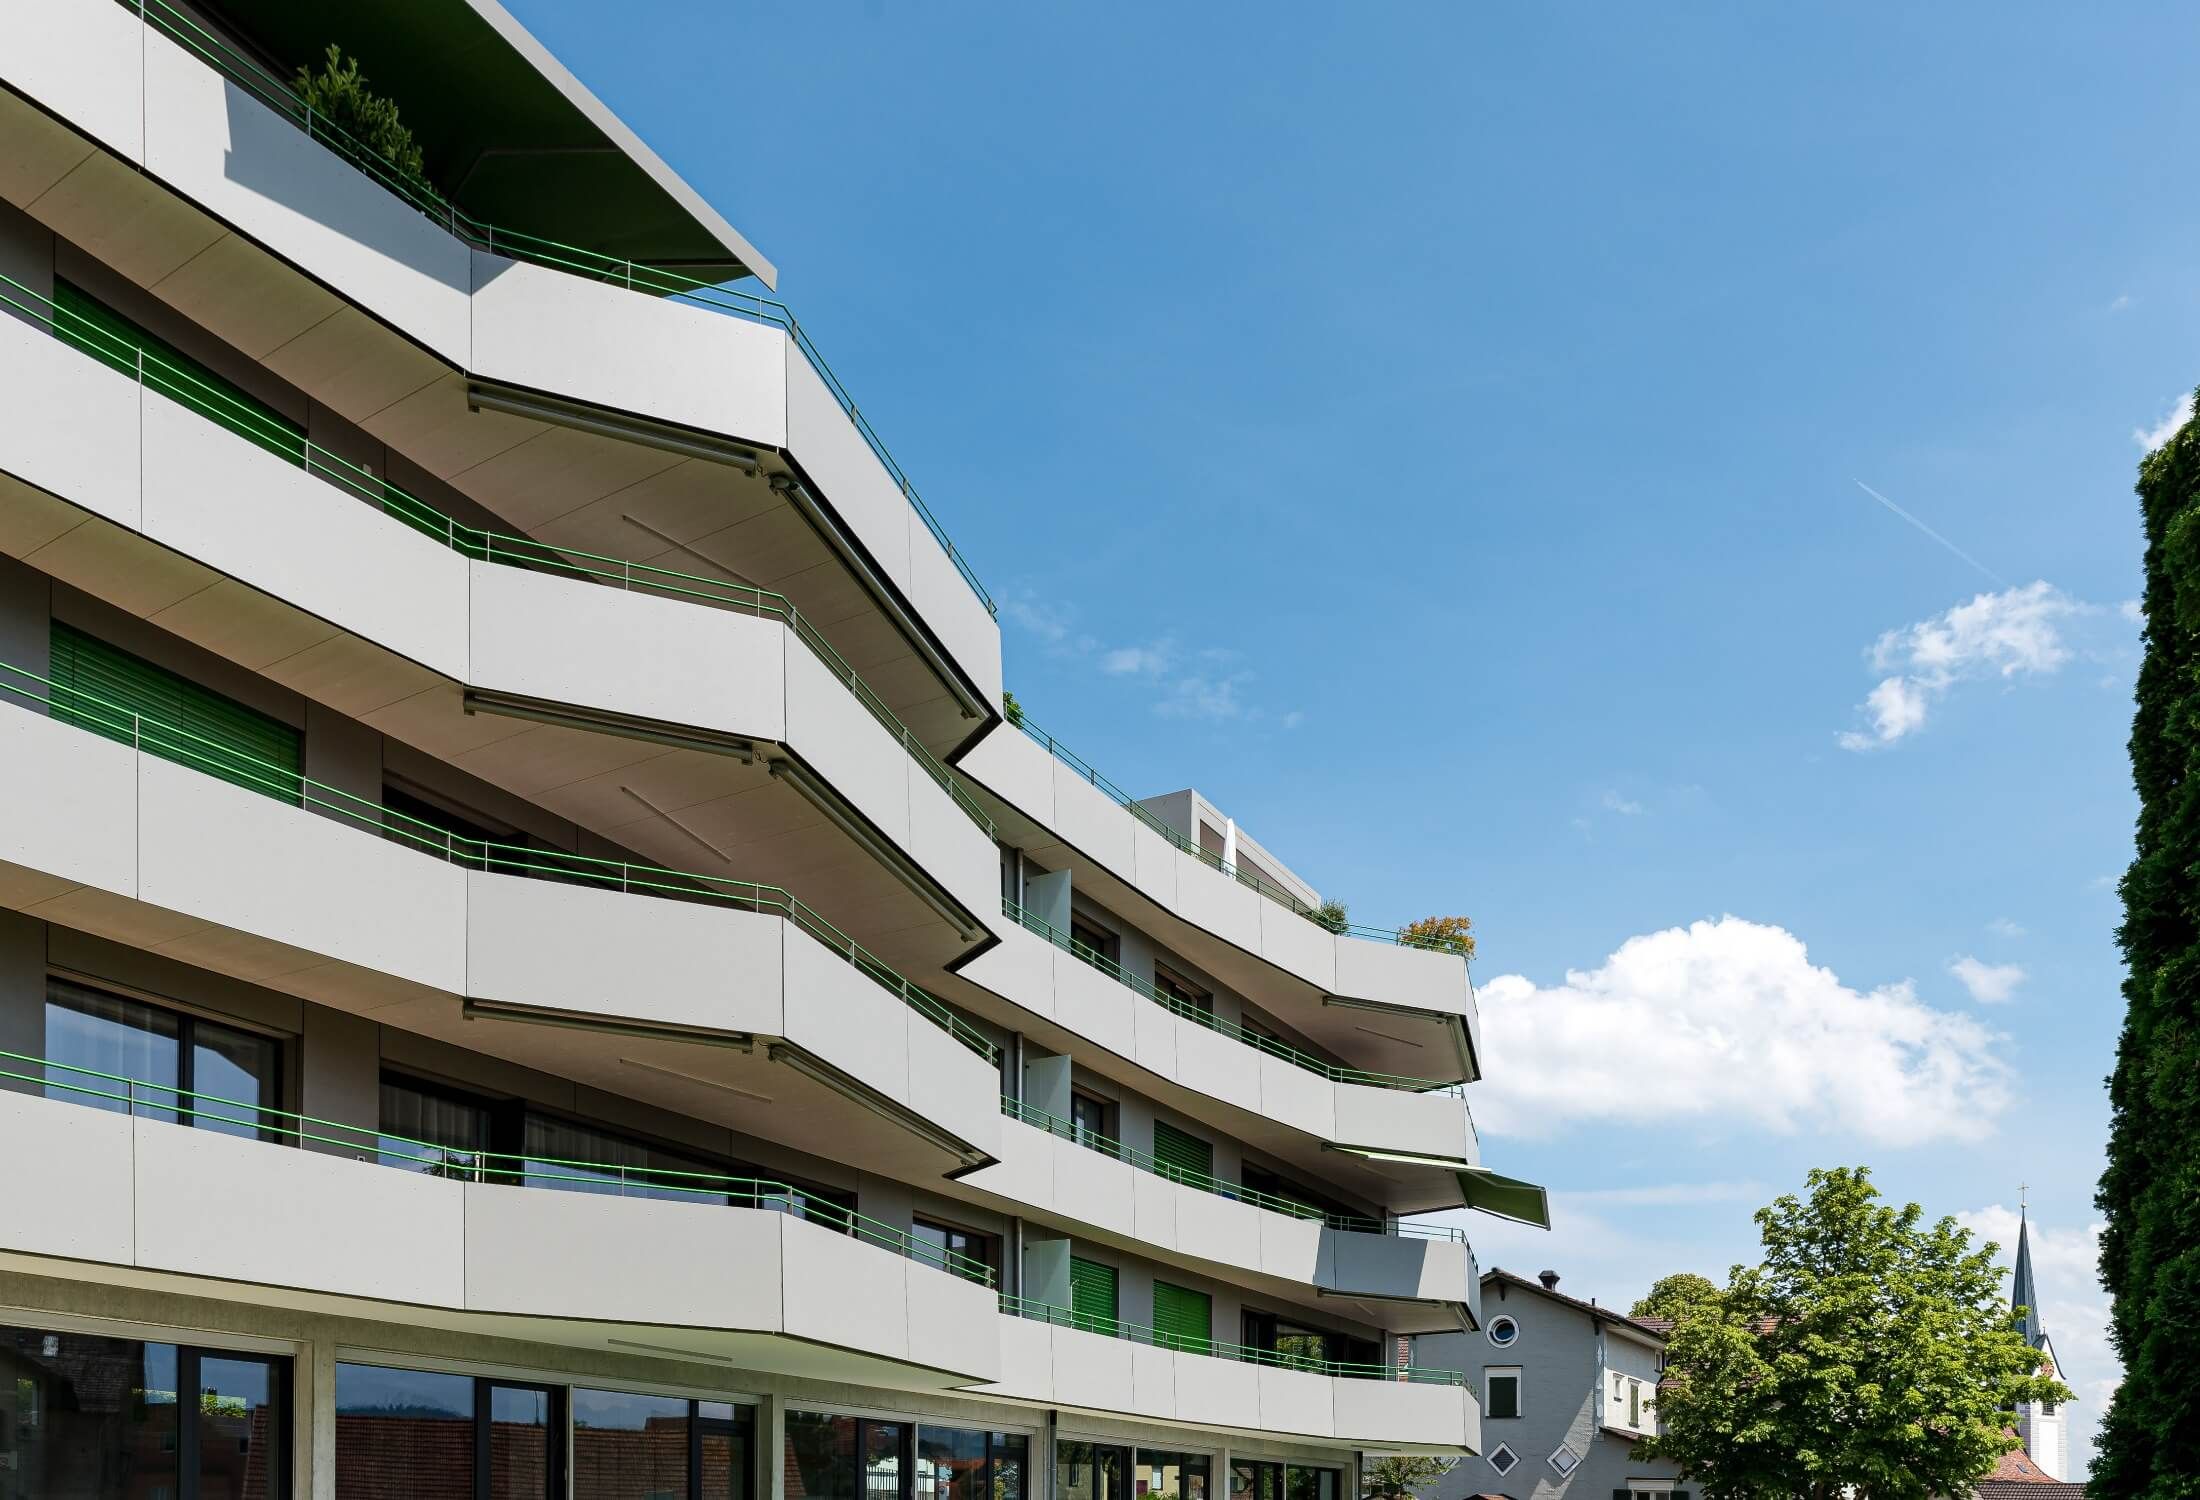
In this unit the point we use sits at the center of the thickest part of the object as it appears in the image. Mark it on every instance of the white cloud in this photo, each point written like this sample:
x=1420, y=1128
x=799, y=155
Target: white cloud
x=2133, y=611
x=1049, y=622
x=1989, y=984
x=1141, y=661
x=1626, y=807
x=2123, y=303
x=2065, y=1264
x=1676, y=1194
x=1212, y=698
x=1729, y=1022
x=1293, y=719
x=2003, y=927
x=2014, y=633
x=2151, y=438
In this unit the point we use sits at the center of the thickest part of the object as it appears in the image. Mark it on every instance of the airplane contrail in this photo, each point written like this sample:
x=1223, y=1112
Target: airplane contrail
x=1936, y=536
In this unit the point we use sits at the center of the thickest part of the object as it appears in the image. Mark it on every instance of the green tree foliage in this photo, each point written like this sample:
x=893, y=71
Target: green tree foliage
x=2149, y=1443
x=1868, y=1355
x=1676, y=1296
x=1012, y=710
x=1398, y=1475
x=1444, y=934
x=1330, y=914
x=338, y=96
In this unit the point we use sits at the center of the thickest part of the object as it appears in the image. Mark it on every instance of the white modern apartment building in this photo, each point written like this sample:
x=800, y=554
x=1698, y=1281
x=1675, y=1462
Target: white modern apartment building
x=531, y=959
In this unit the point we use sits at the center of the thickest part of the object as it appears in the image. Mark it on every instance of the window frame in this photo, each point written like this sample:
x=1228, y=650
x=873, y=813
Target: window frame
x=988, y=1251
x=1516, y=1375
x=188, y=1019
x=1507, y=1321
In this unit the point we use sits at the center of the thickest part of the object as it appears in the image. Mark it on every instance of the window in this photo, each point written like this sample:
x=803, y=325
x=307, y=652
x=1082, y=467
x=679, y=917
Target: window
x=1182, y=1319
x=429, y=1129
x=1088, y=1114
x=960, y=1464
x=415, y=1434
x=1503, y=1332
x=1501, y=1392
x=202, y=1073
x=205, y=730
x=633, y=1447
x=1564, y=1460
x=1092, y=1296
x=1182, y=991
x=1296, y=1344
x=1182, y=1156
x=1634, y=1404
x=1163, y=1475
x=844, y=1458
x=92, y=1416
x=1091, y=1471
x=1502, y=1459
x=1303, y=1483
x=1095, y=946
x=964, y=1252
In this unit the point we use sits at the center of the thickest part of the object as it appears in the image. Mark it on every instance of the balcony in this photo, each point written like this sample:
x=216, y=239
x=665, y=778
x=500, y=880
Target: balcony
x=274, y=238
x=732, y=1002
x=1246, y=933
x=1398, y=1274
x=1051, y=1355
x=398, y=616
x=186, y=1187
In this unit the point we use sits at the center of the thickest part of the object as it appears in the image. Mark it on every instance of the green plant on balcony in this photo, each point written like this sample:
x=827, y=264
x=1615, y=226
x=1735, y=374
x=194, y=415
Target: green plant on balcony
x=1330, y=915
x=338, y=97
x=1013, y=710
x=1443, y=934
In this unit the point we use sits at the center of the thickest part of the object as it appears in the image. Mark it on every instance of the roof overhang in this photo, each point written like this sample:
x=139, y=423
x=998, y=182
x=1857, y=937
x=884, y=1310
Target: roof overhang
x=1479, y=1187
x=509, y=134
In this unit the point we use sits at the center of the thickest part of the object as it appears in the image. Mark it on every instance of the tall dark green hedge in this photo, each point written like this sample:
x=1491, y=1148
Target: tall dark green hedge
x=2150, y=1255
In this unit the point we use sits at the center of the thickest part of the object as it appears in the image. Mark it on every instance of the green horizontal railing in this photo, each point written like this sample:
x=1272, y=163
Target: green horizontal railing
x=145, y=1099
x=1275, y=893
x=1062, y=1317
x=1108, y=1146
x=158, y=373
x=1207, y=1018
x=278, y=95
x=200, y=753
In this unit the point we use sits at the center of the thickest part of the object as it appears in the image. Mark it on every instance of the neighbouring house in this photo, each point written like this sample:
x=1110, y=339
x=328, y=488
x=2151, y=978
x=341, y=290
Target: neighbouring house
x=1568, y=1386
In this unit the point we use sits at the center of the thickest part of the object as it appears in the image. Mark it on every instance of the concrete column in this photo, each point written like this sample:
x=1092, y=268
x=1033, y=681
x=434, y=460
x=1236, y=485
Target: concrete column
x=314, y=1420
x=343, y=753
x=340, y=1073
x=771, y=1448
x=26, y=257
x=22, y=996
x=26, y=629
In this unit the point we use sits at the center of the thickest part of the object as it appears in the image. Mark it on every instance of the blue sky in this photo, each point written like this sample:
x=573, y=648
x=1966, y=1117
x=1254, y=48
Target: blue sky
x=1438, y=433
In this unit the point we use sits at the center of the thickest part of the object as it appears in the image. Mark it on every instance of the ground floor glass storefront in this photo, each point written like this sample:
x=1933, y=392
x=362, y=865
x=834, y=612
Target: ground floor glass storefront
x=1105, y=1471
x=90, y=1418
x=1258, y=1479
x=831, y=1457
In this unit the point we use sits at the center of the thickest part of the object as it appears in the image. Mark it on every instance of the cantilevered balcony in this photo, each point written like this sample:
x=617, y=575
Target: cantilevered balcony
x=189, y=1192
x=1054, y=1356
x=731, y=1002
x=671, y=712
x=539, y=378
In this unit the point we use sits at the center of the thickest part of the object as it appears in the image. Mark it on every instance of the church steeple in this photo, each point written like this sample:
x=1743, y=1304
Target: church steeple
x=2024, y=1296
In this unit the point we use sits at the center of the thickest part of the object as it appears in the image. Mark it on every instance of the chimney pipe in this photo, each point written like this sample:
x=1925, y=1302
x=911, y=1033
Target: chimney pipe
x=1549, y=1280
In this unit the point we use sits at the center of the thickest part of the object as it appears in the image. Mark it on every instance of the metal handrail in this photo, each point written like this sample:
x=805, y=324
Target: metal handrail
x=1063, y=1317
x=138, y=1094
x=651, y=280
x=1108, y=1146
x=1334, y=1072
x=157, y=373
x=1277, y=894
x=201, y=753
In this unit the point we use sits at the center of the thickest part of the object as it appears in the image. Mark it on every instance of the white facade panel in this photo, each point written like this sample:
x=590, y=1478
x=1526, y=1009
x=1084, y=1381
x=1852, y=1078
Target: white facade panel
x=849, y=477
x=1154, y=1216
x=944, y=600
x=1220, y=1392
x=656, y=357
x=1294, y=1401
x=1217, y=1227
x=242, y=1210
x=708, y=1265
x=1291, y=942
x=951, y=1322
x=1398, y=975
x=1090, y=820
x=245, y=861
x=1024, y=1168
x=234, y=506
x=1154, y=861
x=255, y=169
x=1093, y=1370
x=851, y=1022
x=1097, y=1189
x=603, y=952
x=951, y=846
x=81, y=825
x=847, y=745
x=1017, y=768
x=1208, y=898
x=82, y=59
x=1429, y=1124
x=1093, y=1005
x=1292, y=1248
x=1154, y=1032
x=1153, y=1382
x=1392, y=1411
x=949, y=1084
x=1224, y=1067
x=72, y=425
x=72, y=1194
x=646, y=655
x=1299, y=1097
x=836, y=1291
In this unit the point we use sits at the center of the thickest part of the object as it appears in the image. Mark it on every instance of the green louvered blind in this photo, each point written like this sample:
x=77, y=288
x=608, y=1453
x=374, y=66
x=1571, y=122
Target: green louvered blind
x=1092, y=1295
x=1182, y=1318
x=97, y=329
x=1182, y=1155
x=221, y=736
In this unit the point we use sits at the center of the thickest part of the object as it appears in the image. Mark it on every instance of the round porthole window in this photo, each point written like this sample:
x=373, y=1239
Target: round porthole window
x=1503, y=1331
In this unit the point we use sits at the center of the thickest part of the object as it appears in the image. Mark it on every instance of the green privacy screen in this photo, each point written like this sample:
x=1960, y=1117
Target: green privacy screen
x=1092, y=1295
x=228, y=740
x=1182, y=1318
x=1182, y=1155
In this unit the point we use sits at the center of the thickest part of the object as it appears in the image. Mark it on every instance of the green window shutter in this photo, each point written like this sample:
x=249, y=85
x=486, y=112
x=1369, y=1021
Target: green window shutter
x=1183, y=1156
x=100, y=688
x=97, y=329
x=1182, y=1318
x=1092, y=1302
